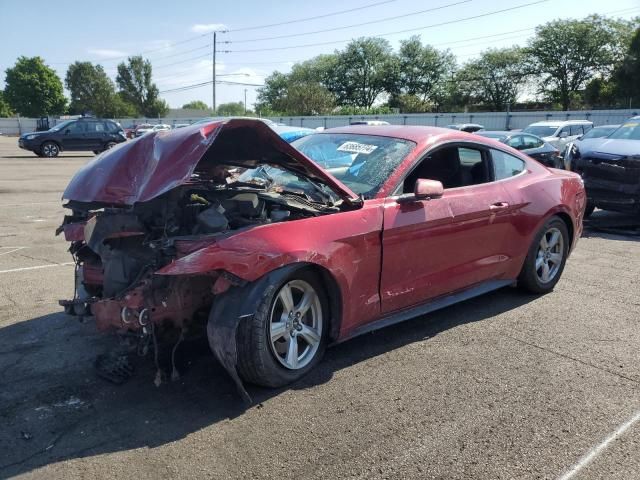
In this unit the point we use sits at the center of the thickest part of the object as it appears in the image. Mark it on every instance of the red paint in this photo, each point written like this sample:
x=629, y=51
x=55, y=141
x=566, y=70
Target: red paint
x=384, y=256
x=144, y=168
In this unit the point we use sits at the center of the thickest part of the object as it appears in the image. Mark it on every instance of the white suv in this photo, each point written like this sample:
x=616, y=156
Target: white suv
x=559, y=133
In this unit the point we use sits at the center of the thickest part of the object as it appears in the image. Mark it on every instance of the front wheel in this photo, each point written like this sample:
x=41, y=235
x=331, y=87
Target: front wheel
x=287, y=335
x=547, y=255
x=50, y=149
x=110, y=145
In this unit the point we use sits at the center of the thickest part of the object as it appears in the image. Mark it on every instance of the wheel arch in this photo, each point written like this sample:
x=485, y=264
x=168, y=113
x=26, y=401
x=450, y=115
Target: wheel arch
x=566, y=218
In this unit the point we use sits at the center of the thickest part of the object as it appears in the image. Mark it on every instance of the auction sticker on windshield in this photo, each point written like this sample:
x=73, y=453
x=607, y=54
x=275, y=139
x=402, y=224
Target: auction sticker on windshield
x=355, y=147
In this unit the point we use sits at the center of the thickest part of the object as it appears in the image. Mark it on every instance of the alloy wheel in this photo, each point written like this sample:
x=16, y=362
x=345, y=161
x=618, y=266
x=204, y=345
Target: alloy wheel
x=50, y=150
x=296, y=324
x=550, y=255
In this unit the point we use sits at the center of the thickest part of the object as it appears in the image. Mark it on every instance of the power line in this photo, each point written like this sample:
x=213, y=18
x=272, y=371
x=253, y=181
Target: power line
x=386, y=19
x=473, y=17
x=307, y=19
x=202, y=84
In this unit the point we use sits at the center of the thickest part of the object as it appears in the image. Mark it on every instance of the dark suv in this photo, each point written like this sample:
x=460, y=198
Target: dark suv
x=92, y=134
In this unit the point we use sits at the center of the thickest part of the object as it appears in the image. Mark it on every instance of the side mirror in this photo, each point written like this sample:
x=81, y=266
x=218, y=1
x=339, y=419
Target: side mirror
x=563, y=135
x=423, y=190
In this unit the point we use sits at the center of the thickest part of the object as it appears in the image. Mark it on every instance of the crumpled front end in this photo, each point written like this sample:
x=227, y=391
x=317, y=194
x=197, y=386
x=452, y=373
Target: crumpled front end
x=612, y=181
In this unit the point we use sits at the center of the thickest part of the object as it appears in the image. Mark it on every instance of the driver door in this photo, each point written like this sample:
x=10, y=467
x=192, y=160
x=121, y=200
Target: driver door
x=436, y=247
x=73, y=136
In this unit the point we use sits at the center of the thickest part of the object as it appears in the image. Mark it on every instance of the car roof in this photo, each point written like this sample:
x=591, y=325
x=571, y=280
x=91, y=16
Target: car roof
x=557, y=123
x=498, y=132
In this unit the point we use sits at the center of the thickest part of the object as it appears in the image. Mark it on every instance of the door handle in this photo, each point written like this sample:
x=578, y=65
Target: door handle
x=498, y=206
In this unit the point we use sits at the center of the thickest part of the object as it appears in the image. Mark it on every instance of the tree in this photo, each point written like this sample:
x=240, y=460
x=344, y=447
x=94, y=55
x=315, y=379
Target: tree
x=270, y=97
x=626, y=76
x=496, y=78
x=363, y=71
x=568, y=53
x=308, y=99
x=5, y=110
x=421, y=72
x=92, y=91
x=196, y=105
x=136, y=87
x=231, y=109
x=32, y=89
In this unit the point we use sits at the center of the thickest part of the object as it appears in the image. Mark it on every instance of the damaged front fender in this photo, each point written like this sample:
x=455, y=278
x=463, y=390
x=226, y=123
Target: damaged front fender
x=229, y=309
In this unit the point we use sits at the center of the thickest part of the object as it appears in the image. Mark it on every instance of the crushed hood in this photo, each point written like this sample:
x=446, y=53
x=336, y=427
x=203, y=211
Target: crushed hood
x=142, y=169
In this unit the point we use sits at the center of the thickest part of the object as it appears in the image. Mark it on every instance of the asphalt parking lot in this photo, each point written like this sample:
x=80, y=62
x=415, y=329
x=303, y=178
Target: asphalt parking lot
x=507, y=385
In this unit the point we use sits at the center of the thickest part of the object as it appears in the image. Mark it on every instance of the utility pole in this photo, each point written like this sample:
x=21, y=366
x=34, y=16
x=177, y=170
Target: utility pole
x=213, y=72
x=245, y=101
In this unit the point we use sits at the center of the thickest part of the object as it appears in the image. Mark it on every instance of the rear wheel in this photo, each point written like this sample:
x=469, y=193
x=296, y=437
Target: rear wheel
x=546, y=258
x=287, y=335
x=50, y=149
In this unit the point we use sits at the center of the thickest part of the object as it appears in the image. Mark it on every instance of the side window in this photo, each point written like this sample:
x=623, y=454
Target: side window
x=516, y=142
x=112, y=127
x=453, y=166
x=531, y=142
x=576, y=130
x=75, y=128
x=95, y=127
x=505, y=165
x=566, y=130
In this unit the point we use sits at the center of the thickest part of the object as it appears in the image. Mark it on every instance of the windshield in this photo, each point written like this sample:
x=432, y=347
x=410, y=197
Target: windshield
x=498, y=136
x=628, y=131
x=541, y=130
x=361, y=162
x=62, y=125
x=598, y=132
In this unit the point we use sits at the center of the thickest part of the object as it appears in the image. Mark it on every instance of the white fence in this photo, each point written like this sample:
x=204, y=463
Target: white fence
x=490, y=120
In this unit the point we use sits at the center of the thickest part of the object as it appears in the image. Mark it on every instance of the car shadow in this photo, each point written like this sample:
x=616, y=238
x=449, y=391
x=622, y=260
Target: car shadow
x=612, y=226
x=54, y=408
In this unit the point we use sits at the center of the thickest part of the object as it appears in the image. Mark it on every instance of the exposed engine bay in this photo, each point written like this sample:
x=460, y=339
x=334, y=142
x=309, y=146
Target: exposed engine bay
x=117, y=250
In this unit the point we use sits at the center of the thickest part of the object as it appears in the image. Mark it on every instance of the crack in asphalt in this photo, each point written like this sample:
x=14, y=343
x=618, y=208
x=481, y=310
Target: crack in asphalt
x=574, y=359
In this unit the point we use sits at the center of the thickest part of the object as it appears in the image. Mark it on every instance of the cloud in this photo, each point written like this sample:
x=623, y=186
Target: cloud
x=208, y=27
x=107, y=52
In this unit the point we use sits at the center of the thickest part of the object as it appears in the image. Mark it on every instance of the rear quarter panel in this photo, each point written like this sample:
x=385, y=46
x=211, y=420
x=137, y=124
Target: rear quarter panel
x=539, y=194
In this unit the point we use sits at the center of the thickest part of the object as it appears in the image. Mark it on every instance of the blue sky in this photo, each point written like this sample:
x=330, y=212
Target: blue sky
x=105, y=32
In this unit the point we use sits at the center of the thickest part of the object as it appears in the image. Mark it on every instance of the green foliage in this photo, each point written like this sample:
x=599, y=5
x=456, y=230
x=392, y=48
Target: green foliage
x=351, y=110
x=363, y=72
x=5, y=110
x=421, y=74
x=136, y=87
x=568, y=53
x=626, y=77
x=93, y=92
x=495, y=79
x=231, y=109
x=196, y=105
x=32, y=89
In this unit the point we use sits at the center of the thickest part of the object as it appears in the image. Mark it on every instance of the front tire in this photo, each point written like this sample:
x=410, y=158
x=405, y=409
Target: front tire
x=109, y=145
x=287, y=335
x=50, y=149
x=547, y=256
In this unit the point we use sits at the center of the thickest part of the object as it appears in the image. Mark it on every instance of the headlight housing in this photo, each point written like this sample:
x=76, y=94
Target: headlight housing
x=30, y=137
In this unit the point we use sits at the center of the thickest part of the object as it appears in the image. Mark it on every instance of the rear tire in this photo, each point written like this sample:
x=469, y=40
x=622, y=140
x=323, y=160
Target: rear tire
x=276, y=346
x=547, y=256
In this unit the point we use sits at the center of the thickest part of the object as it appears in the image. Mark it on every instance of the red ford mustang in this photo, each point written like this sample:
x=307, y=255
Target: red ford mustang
x=291, y=249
